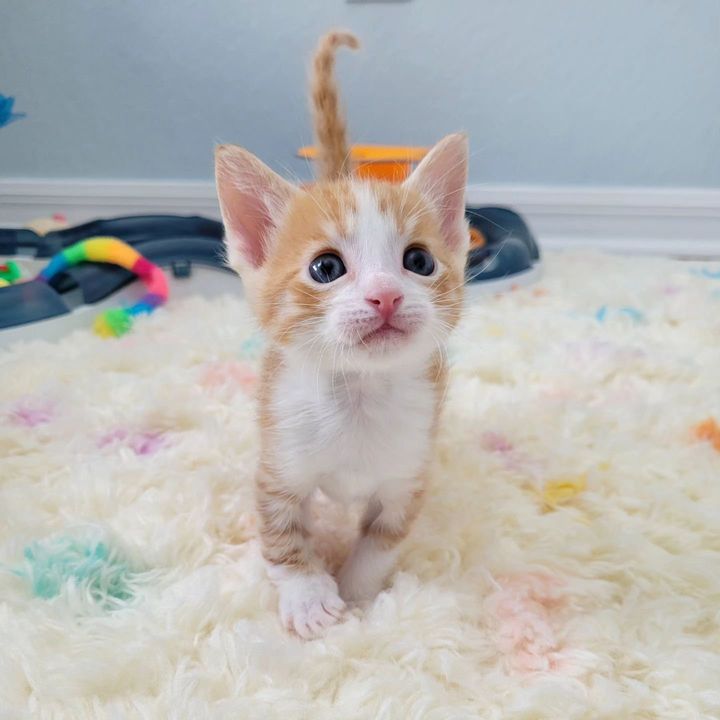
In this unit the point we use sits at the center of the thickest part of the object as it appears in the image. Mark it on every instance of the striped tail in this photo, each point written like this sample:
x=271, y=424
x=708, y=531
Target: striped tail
x=330, y=129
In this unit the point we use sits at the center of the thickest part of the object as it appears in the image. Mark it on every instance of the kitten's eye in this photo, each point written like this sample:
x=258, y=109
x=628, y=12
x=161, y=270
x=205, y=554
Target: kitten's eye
x=418, y=260
x=327, y=268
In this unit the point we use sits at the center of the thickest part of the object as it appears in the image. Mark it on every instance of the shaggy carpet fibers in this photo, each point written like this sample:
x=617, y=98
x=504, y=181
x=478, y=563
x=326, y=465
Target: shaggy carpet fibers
x=566, y=565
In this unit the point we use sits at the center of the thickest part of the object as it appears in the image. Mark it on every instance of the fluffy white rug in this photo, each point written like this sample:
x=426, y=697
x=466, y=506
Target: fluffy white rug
x=567, y=564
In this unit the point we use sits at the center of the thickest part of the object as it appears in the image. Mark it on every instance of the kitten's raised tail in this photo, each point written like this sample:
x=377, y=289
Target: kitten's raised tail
x=330, y=130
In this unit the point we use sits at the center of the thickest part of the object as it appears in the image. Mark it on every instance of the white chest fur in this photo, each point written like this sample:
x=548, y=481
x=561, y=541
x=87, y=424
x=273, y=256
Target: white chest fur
x=351, y=435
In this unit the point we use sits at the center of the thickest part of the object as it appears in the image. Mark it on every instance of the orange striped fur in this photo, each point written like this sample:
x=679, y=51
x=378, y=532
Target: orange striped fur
x=330, y=127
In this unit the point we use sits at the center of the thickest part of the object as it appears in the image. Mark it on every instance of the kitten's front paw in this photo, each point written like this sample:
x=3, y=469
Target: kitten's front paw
x=309, y=604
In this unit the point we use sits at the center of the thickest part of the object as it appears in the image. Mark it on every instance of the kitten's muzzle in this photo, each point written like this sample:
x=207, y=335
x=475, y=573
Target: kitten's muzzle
x=385, y=302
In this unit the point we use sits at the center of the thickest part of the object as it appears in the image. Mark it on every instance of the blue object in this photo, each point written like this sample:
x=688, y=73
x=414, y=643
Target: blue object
x=510, y=248
x=635, y=315
x=56, y=265
x=707, y=273
x=28, y=302
x=6, y=111
x=497, y=224
x=252, y=347
x=499, y=260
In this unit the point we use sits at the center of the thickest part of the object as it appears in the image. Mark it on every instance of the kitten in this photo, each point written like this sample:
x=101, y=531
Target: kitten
x=356, y=285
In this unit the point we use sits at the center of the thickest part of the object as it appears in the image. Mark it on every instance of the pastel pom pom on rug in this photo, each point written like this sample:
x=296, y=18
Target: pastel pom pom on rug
x=113, y=323
x=89, y=565
x=709, y=430
x=566, y=564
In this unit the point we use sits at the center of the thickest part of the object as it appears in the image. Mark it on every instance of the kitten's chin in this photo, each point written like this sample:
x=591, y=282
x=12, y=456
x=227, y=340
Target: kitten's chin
x=385, y=336
x=383, y=349
x=388, y=347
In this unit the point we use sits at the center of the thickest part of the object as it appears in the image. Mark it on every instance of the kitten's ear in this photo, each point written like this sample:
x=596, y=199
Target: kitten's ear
x=252, y=201
x=441, y=177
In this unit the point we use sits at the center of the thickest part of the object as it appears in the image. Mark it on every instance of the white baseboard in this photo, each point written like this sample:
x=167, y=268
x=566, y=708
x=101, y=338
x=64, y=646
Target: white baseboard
x=676, y=221
x=80, y=200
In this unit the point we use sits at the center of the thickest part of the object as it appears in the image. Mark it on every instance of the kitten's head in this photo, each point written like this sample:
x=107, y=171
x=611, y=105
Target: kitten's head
x=353, y=274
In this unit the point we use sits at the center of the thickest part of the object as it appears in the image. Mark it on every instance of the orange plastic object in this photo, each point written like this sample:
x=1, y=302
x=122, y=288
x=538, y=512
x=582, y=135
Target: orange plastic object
x=379, y=162
x=477, y=239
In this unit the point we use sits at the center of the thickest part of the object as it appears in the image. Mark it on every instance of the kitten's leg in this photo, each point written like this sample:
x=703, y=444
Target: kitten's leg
x=308, y=595
x=385, y=524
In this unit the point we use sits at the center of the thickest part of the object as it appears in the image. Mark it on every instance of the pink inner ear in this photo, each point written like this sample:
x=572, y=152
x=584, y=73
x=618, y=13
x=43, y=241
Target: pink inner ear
x=252, y=201
x=247, y=222
x=442, y=177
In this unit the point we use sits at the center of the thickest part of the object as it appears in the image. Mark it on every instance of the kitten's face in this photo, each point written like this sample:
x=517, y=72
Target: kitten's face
x=359, y=277
x=354, y=275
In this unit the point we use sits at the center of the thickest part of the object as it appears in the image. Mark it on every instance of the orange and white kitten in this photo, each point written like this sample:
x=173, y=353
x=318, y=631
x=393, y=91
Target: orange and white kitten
x=356, y=285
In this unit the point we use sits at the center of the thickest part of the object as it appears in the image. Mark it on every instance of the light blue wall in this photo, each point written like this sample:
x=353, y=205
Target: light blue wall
x=616, y=92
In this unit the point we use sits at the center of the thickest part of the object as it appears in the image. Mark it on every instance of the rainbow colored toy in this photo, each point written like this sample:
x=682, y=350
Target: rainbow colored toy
x=117, y=321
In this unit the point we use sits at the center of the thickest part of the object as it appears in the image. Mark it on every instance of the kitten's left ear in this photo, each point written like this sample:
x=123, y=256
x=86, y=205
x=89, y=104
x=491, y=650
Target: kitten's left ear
x=441, y=177
x=253, y=200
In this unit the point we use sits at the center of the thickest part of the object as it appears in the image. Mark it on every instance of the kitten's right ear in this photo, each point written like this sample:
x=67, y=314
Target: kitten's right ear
x=252, y=200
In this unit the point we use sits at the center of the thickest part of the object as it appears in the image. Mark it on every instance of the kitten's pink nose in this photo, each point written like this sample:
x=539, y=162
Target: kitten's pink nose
x=386, y=302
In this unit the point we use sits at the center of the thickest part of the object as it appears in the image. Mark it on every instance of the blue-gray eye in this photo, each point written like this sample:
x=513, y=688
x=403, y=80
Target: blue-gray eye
x=419, y=261
x=327, y=268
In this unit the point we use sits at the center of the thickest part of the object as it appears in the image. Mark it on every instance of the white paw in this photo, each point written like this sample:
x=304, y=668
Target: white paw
x=309, y=604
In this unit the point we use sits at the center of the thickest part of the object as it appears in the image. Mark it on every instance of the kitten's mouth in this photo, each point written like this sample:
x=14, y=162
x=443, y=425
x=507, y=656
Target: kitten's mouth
x=384, y=333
